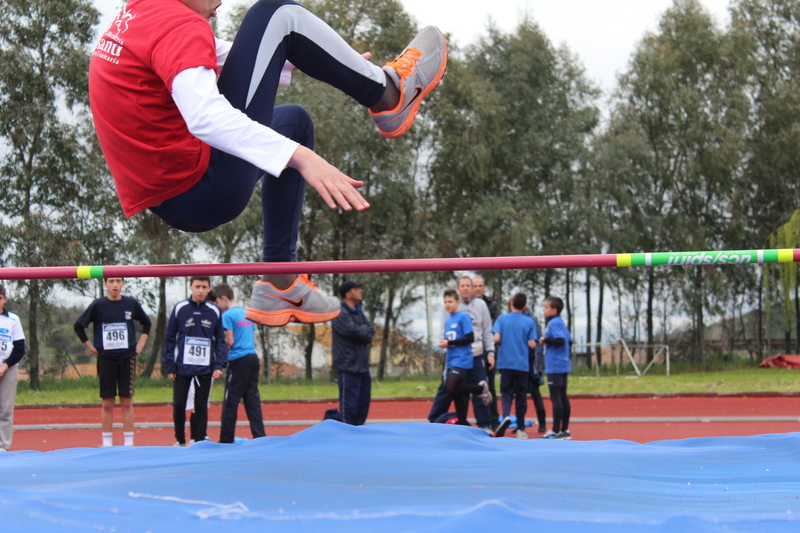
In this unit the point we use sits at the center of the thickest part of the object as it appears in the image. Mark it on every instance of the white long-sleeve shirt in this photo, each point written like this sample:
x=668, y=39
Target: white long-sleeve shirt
x=212, y=119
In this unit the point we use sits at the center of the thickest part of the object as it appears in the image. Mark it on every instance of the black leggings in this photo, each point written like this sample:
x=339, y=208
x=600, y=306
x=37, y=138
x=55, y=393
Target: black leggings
x=455, y=385
x=180, y=392
x=561, y=407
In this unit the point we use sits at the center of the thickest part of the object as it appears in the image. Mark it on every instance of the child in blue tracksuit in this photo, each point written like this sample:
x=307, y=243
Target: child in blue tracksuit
x=514, y=334
x=458, y=337
x=194, y=351
x=557, y=342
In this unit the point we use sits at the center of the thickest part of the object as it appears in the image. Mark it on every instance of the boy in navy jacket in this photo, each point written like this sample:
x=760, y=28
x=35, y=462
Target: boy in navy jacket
x=194, y=351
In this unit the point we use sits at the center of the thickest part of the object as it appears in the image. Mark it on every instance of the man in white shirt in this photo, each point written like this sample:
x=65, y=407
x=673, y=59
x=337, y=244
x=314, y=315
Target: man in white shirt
x=12, y=348
x=191, y=148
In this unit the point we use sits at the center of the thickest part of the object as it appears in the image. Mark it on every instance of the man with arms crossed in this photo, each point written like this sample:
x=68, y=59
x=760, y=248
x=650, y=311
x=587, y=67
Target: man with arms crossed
x=116, y=349
x=352, y=338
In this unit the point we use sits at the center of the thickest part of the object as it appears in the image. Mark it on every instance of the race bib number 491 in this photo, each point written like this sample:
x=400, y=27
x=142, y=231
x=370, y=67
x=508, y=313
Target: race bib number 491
x=197, y=351
x=115, y=336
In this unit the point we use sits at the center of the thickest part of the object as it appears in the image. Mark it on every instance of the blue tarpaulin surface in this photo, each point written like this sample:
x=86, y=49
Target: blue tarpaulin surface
x=408, y=477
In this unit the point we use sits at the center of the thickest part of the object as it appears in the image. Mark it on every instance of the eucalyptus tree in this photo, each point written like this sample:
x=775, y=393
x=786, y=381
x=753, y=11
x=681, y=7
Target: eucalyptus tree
x=512, y=149
x=44, y=179
x=767, y=34
x=687, y=101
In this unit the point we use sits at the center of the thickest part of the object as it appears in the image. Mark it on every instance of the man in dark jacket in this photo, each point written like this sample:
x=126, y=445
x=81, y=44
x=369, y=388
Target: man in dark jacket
x=352, y=337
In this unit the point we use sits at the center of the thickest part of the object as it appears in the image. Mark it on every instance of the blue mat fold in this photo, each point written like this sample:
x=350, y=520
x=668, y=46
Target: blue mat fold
x=408, y=477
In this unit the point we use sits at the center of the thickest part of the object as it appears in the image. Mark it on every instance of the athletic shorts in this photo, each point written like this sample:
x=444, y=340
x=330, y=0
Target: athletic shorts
x=557, y=380
x=458, y=371
x=116, y=374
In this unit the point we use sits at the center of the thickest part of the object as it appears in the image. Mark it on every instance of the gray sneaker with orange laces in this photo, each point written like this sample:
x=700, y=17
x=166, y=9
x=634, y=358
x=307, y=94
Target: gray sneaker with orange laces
x=416, y=72
x=301, y=302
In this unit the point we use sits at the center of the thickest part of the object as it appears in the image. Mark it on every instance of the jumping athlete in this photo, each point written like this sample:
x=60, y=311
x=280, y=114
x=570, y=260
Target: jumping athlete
x=191, y=148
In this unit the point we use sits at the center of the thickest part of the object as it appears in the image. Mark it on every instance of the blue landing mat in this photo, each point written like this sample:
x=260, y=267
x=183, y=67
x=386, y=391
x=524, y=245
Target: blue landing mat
x=408, y=477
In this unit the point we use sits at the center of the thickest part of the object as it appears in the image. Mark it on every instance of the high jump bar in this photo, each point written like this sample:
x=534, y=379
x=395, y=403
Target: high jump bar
x=733, y=257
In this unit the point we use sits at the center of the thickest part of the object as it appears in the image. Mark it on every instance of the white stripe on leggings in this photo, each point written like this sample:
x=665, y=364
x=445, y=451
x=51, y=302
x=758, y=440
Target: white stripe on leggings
x=294, y=18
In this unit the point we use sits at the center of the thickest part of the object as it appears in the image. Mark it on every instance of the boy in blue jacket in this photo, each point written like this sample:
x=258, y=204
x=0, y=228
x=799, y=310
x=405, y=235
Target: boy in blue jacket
x=458, y=337
x=194, y=351
x=515, y=335
x=557, y=342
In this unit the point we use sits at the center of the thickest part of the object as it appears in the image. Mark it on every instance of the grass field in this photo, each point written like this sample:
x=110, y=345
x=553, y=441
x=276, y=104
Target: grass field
x=83, y=391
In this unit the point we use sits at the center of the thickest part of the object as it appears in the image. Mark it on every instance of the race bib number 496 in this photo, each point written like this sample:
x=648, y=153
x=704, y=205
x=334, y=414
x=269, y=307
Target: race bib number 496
x=197, y=351
x=115, y=336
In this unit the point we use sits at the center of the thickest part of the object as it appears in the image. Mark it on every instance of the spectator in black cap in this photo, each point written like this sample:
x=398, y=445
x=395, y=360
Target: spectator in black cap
x=352, y=337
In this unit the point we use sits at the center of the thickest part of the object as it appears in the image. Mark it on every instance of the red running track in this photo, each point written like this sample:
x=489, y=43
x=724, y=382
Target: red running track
x=640, y=419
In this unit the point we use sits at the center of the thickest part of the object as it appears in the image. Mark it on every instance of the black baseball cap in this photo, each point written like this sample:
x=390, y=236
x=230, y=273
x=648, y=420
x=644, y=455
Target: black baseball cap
x=345, y=287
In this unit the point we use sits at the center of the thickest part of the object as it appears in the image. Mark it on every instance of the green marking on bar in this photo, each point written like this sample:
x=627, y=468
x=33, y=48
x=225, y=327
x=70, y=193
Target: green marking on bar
x=88, y=272
x=725, y=257
x=661, y=258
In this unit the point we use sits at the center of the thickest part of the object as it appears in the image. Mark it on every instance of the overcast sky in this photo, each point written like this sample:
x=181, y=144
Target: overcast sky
x=602, y=34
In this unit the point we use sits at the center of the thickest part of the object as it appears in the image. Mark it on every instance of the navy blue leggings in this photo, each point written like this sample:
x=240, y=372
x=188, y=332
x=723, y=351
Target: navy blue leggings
x=272, y=32
x=355, y=393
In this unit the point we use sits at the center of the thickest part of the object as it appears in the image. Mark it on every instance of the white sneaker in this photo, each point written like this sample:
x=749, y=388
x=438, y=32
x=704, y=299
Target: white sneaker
x=550, y=434
x=178, y=444
x=416, y=72
x=301, y=302
x=521, y=434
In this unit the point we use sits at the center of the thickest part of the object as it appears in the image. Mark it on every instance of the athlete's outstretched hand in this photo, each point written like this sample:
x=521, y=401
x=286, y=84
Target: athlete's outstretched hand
x=334, y=186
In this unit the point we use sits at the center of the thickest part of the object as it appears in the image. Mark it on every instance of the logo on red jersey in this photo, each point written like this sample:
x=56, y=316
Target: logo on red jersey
x=121, y=22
